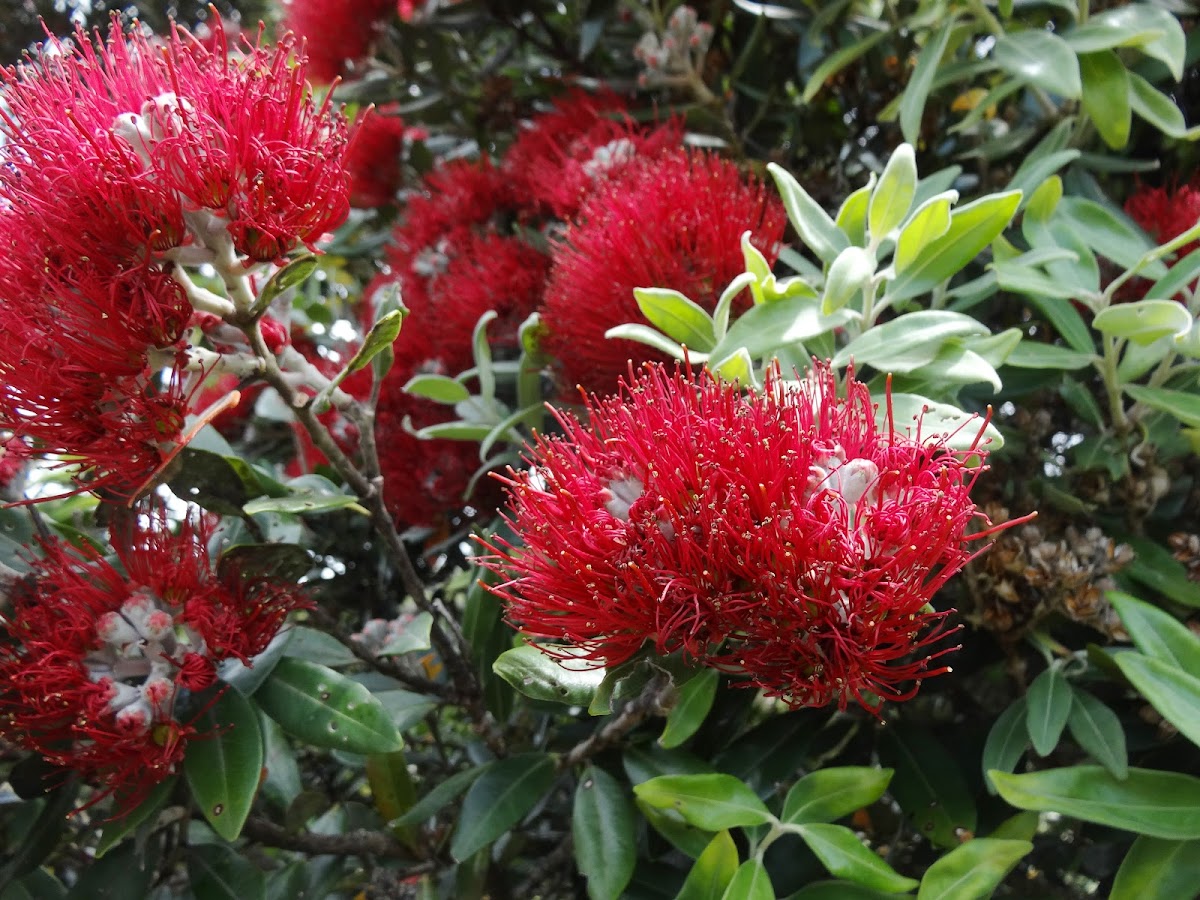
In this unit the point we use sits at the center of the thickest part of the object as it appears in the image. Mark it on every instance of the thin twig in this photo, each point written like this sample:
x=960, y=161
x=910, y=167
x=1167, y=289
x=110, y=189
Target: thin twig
x=657, y=699
x=360, y=842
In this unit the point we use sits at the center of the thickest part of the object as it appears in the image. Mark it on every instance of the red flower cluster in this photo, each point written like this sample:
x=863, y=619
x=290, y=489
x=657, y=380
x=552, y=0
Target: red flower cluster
x=673, y=221
x=1164, y=215
x=375, y=161
x=124, y=157
x=338, y=34
x=782, y=536
x=102, y=664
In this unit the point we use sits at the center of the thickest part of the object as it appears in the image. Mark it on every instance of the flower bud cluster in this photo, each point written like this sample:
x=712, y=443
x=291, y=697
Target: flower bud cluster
x=679, y=50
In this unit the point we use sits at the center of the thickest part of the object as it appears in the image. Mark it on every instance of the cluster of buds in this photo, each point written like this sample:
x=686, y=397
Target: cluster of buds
x=679, y=51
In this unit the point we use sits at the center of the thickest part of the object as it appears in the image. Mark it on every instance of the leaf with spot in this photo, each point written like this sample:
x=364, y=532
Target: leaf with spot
x=711, y=802
x=224, y=766
x=542, y=677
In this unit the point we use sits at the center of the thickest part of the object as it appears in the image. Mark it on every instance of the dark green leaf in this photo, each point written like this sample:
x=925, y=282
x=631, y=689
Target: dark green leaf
x=117, y=830
x=317, y=705
x=1156, y=633
x=1170, y=690
x=1182, y=405
x=1006, y=742
x=318, y=647
x=124, y=874
x=972, y=871
x=912, y=104
x=1098, y=731
x=443, y=793
x=839, y=890
x=279, y=562
x=224, y=767
x=498, y=799
x=217, y=872
x=928, y=785
x=536, y=675
x=604, y=826
x=688, y=714
x=1047, y=706
x=1160, y=804
x=1155, y=567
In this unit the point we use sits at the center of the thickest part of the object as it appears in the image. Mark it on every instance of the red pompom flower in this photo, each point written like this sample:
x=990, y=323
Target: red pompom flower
x=102, y=663
x=338, y=34
x=783, y=536
x=674, y=221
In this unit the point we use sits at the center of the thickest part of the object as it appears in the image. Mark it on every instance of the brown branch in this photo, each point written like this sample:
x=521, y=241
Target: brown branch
x=360, y=842
x=657, y=699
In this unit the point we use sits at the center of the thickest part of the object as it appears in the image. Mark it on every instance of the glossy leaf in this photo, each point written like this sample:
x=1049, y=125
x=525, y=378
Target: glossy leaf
x=1098, y=731
x=712, y=871
x=687, y=839
x=224, y=769
x=928, y=785
x=438, y=388
x=536, y=675
x=317, y=705
x=1106, y=96
x=847, y=276
x=1006, y=742
x=498, y=800
x=912, y=103
x=893, y=194
x=688, y=714
x=443, y=793
x=711, y=802
x=1153, y=30
x=920, y=417
x=677, y=317
x=217, y=872
x=1157, y=633
x=605, y=829
x=1158, y=869
x=784, y=323
x=839, y=890
x=973, y=227
x=116, y=830
x=1041, y=58
x=1145, y=321
x=927, y=224
x=412, y=638
x=843, y=854
x=812, y=223
x=1155, y=567
x=318, y=647
x=381, y=337
x=908, y=342
x=1171, y=691
x=1047, y=706
x=1160, y=804
x=829, y=794
x=750, y=882
x=1157, y=108
x=972, y=871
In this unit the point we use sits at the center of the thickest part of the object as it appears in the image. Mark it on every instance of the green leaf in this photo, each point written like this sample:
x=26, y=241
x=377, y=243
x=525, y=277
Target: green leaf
x=1036, y=171
x=381, y=337
x=1067, y=322
x=414, y=637
x=1157, y=108
x=1006, y=742
x=1170, y=690
x=829, y=794
x=750, y=882
x=443, y=794
x=763, y=329
x=438, y=388
x=292, y=275
x=1158, y=869
x=725, y=303
x=1044, y=200
x=497, y=801
x=837, y=61
x=852, y=216
x=1047, y=706
x=1153, y=30
x=116, y=830
x=605, y=829
x=1042, y=59
x=839, y=890
x=1183, y=406
x=1144, y=321
x=688, y=714
x=644, y=334
x=812, y=223
x=1109, y=233
x=1156, y=633
x=713, y=870
x=1035, y=355
x=972, y=871
x=847, y=276
x=1155, y=567
x=1106, y=96
x=894, y=193
x=711, y=802
x=224, y=767
x=927, y=224
x=123, y=875
x=972, y=228
x=1098, y=731
x=536, y=675
x=909, y=341
x=318, y=647
x=216, y=872
x=843, y=854
x=1160, y=804
x=912, y=103
x=687, y=839
x=677, y=317
x=317, y=705
x=303, y=504
x=928, y=785
x=920, y=418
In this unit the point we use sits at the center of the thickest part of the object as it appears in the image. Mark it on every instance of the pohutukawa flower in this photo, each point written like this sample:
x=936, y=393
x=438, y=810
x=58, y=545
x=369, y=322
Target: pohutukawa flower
x=338, y=34
x=784, y=536
x=375, y=159
x=585, y=140
x=1164, y=214
x=102, y=665
x=672, y=221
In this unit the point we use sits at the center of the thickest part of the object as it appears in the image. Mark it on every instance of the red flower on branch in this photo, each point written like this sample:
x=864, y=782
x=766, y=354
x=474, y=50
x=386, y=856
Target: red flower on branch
x=1164, y=214
x=785, y=537
x=674, y=221
x=375, y=161
x=338, y=34
x=102, y=663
